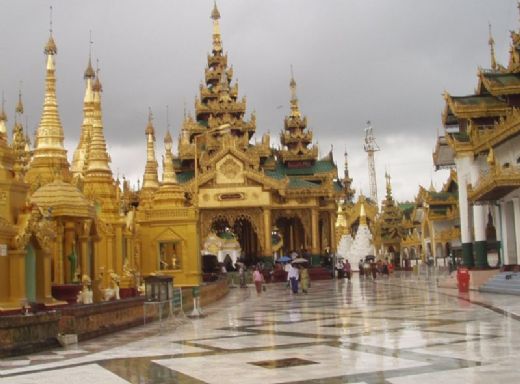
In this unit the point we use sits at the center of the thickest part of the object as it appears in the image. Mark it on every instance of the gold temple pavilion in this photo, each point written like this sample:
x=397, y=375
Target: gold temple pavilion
x=63, y=224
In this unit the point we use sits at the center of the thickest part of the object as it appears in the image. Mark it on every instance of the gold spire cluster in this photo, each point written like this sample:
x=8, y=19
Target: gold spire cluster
x=217, y=104
x=20, y=143
x=296, y=138
x=348, y=191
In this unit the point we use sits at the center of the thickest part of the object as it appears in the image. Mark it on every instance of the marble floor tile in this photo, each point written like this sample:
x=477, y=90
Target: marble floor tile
x=397, y=330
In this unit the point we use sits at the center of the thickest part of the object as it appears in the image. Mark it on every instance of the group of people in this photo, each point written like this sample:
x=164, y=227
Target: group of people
x=343, y=269
x=373, y=268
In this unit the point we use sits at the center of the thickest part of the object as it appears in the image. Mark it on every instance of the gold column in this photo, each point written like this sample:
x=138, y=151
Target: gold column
x=59, y=272
x=43, y=278
x=68, y=239
x=17, y=276
x=332, y=222
x=268, y=250
x=315, y=247
x=84, y=255
x=119, y=250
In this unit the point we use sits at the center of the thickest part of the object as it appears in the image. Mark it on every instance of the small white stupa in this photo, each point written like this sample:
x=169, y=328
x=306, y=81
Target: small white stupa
x=362, y=244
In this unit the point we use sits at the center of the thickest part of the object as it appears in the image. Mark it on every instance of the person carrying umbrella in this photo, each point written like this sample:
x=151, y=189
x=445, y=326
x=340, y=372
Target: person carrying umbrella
x=293, y=276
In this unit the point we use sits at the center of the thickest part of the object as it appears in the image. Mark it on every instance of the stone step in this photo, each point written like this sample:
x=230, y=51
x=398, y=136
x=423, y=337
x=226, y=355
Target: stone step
x=501, y=284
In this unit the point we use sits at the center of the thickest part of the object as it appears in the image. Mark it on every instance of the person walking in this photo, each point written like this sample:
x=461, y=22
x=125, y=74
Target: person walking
x=304, y=279
x=258, y=278
x=293, y=276
x=347, y=268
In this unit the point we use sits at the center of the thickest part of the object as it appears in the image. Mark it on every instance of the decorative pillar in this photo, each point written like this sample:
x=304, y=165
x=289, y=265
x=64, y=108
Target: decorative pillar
x=68, y=232
x=17, y=275
x=479, y=228
x=83, y=262
x=516, y=214
x=43, y=280
x=497, y=218
x=59, y=270
x=332, y=222
x=315, y=250
x=268, y=250
x=463, y=164
x=118, y=250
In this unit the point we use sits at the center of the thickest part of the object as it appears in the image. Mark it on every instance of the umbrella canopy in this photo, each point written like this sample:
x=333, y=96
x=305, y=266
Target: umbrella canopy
x=283, y=259
x=300, y=260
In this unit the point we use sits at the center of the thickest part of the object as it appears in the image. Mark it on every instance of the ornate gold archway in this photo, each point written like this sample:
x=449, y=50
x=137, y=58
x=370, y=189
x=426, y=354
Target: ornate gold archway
x=253, y=216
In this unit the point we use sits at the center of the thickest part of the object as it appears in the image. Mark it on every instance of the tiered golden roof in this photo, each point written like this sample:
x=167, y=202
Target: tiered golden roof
x=296, y=137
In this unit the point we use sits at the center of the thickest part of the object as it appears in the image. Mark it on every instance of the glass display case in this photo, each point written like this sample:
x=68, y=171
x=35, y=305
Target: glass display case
x=158, y=288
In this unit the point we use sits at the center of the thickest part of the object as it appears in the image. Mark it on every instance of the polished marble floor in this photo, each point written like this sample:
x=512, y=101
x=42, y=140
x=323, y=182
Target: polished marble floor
x=399, y=330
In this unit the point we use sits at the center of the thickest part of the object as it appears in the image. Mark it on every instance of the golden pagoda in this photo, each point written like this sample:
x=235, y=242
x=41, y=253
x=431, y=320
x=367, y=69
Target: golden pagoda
x=251, y=187
x=389, y=231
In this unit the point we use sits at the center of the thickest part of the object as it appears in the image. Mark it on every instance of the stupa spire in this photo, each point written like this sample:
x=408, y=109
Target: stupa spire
x=217, y=41
x=348, y=191
x=168, y=176
x=491, y=43
x=3, y=119
x=150, y=179
x=50, y=157
x=295, y=137
x=98, y=158
x=80, y=154
x=295, y=109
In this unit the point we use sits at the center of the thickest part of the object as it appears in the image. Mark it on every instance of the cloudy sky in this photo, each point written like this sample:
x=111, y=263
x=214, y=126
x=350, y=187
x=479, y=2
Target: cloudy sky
x=354, y=60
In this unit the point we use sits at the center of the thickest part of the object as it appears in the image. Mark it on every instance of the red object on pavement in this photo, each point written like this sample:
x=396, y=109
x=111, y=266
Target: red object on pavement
x=463, y=277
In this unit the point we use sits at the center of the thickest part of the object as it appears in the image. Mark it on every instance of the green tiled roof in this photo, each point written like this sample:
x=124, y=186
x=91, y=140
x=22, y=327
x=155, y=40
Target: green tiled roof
x=479, y=100
x=504, y=79
x=296, y=183
x=442, y=195
x=320, y=166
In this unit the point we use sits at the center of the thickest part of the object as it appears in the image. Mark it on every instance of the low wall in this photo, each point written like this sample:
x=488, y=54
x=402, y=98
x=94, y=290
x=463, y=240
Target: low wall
x=21, y=334
x=92, y=320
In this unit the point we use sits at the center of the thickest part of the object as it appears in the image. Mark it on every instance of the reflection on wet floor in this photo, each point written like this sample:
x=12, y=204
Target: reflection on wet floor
x=389, y=331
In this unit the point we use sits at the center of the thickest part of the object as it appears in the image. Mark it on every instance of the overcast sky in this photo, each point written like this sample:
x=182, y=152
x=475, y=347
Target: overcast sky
x=354, y=60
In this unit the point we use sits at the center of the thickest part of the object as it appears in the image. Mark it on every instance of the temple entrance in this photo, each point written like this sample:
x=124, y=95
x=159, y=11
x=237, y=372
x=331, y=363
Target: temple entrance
x=293, y=233
x=245, y=234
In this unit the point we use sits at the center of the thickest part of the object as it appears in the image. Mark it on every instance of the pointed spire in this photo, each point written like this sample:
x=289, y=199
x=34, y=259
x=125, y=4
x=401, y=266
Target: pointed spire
x=491, y=43
x=19, y=105
x=150, y=179
x=388, y=185
x=50, y=156
x=98, y=157
x=217, y=42
x=80, y=156
x=3, y=118
x=89, y=71
x=295, y=109
x=168, y=176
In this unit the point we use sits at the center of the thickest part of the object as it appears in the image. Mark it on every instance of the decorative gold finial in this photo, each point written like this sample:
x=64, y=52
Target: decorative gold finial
x=149, y=127
x=215, y=14
x=50, y=48
x=19, y=106
x=295, y=110
x=97, y=87
x=3, y=116
x=491, y=43
x=89, y=72
x=491, y=157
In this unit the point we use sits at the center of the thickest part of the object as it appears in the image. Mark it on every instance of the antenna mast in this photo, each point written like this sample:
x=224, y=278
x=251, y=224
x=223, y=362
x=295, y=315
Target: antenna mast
x=370, y=147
